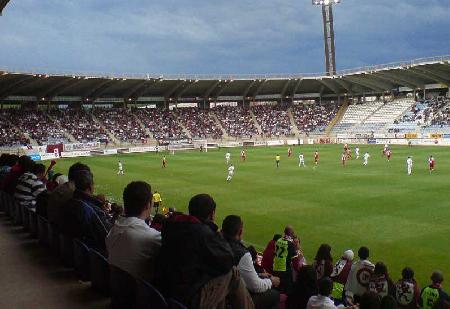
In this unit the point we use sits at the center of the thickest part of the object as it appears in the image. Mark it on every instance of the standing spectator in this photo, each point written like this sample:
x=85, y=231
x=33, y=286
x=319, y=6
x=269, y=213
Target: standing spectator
x=268, y=254
x=261, y=289
x=157, y=201
x=132, y=245
x=380, y=282
x=285, y=250
x=407, y=291
x=24, y=164
x=30, y=186
x=84, y=217
x=340, y=274
x=323, y=262
x=197, y=262
x=303, y=288
x=433, y=293
x=358, y=279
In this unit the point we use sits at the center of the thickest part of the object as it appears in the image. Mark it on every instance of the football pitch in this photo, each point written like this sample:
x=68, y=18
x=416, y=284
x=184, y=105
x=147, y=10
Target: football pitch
x=404, y=220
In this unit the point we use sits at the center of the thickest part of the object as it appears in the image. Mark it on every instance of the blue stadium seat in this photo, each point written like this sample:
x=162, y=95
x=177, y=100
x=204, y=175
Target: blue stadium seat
x=81, y=260
x=173, y=304
x=32, y=217
x=66, y=249
x=123, y=289
x=53, y=238
x=148, y=297
x=99, y=272
x=42, y=230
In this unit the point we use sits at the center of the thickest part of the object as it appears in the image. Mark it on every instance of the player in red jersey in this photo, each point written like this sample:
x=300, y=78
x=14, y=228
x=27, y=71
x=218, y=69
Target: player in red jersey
x=164, y=162
x=431, y=163
x=388, y=154
x=243, y=155
x=316, y=157
x=343, y=158
x=289, y=152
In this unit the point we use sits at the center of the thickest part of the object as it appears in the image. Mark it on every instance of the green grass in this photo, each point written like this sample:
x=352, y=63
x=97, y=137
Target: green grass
x=404, y=220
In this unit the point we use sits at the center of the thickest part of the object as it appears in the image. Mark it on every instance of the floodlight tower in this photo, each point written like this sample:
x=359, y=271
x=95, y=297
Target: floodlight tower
x=328, y=33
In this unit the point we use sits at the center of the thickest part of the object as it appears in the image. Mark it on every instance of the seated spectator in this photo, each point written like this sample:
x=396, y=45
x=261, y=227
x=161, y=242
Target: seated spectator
x=84, y=216
x=268, y=254
x=256, y=260
x=340, y=274
x=369, y=300
x=380, y=282
x=261, y=289
x=59, y=198
x=7, y=161
x=24, y=164
x=388, y=302
x=433, y=293
x=407, y=291
x=303, y=289
x=323, y=262
x=358, y=278
x=197, y=262
x=157, y=222
x=132, y=245
x=323, y=300
x=286, y=248
x=30, y=186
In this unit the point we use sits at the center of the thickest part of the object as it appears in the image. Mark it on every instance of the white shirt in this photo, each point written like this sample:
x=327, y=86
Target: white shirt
x=409, y=162
x=133, y=246
x=366, y=156
x=357, y=150
x=251, y=279
x=228, y=155
x=321, y=302
x=120, y=165
x=231, y=169
x=358, y=278
x=301, y=157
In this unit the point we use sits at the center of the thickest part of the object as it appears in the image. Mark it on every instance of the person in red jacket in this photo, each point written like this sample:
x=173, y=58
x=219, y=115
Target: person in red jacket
x=340, y=274
x=323, y=262
x=407, y=292
x=267, y=258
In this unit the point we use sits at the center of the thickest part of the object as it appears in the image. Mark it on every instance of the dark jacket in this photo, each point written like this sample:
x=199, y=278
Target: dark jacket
x=192, y=253
x=84, y=219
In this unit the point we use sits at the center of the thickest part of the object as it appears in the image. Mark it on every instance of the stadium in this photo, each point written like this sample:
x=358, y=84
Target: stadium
x=146, y=190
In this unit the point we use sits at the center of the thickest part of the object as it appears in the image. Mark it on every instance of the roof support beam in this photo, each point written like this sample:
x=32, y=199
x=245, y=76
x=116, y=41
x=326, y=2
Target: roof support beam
x=284, y=89
x=184, y=89
x=364, y=83
x=260, y=87
x=297, y=86
x=346, y=85
x=431, y=75
x=210, y=89
x=327, y=83
x=247, y=89
x=6, y=91
x=396, y=77
x=100, y=89
x=222, y=88
x=172, y=90
x=48, y=93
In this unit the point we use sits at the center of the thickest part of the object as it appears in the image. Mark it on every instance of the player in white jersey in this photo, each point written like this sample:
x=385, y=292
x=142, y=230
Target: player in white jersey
x=120, y=172
x=301, y=160
x=228, y=157
x=409, y=165
x=230, y=172
x=366, y=158
x=357, y=153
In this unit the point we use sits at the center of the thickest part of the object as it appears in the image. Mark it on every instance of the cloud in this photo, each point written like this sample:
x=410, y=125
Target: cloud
x=199, y=36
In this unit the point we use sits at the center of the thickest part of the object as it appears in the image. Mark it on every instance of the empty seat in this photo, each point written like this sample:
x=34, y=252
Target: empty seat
x=148, y=297
x=123, y=289
x=99, y=272
x=42, y=230
x=81, y=260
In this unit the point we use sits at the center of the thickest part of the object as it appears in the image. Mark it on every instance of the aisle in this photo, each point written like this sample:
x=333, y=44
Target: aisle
x=31, y=278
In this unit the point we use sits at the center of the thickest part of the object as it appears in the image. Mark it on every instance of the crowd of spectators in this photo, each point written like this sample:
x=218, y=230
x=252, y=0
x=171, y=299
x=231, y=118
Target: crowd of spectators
x=314, y=118
x=190, y=259
x=122, y=124
x=79, y=123
x=11, y=136
x=273, y=119
x=199, y=123
x=36, y=124
x=161, y=123
x=237, y=121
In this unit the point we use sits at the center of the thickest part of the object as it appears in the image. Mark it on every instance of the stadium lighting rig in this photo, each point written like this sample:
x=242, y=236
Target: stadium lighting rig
x=328, y=33
x=3, y=3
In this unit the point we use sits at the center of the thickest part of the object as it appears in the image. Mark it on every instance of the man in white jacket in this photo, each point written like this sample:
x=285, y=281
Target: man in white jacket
x=260, y=286
x=132, y=245
x=358, y=278
x=323, y=300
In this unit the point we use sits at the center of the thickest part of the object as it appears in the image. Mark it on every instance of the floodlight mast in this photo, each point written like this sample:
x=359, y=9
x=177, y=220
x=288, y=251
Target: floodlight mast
x=328, y=33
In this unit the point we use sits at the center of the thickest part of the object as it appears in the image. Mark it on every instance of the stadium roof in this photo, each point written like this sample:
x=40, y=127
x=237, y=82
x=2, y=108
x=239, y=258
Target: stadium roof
x=3, y=3
x=415, y=75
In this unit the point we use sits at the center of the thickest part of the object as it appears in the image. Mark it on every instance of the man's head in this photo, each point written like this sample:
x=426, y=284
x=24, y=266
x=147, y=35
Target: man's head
x=232, y=227
x=437, y=277
x=407, y=273
x=26, y=164
x=348, y=255
x=203, y=207
x=137, y=199
x=39, y=170
x=75, y=168
x=325, y=286
x=84, y=181
x=380, y=269
x=363, y=253
x=289, y=231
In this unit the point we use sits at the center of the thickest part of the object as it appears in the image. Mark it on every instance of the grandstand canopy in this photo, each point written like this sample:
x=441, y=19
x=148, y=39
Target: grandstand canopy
x=45, y=86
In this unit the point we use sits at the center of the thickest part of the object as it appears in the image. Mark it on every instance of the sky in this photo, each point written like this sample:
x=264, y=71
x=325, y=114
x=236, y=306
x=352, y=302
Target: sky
x=215, y=36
